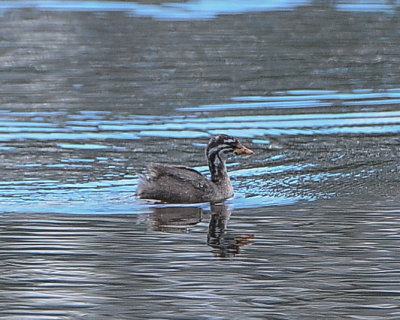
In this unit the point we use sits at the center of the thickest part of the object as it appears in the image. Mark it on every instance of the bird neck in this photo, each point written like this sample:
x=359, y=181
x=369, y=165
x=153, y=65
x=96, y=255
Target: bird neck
x=217, y=168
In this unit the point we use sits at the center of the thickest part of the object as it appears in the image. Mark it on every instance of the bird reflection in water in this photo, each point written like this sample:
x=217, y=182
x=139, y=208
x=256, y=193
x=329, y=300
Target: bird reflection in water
x=182, y=219
x=176, y=219
x=225, y=243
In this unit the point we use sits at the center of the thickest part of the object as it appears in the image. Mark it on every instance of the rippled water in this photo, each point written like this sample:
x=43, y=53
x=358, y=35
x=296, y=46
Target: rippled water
x=93, y=91
x=71, y=159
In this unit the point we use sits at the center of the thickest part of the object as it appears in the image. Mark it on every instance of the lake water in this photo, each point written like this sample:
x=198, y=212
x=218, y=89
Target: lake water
x=91, y=92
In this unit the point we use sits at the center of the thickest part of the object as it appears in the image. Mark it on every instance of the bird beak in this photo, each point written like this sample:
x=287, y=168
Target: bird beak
x=243, y=151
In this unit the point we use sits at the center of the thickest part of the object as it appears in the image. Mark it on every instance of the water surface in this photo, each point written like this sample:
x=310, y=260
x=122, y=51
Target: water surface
x=91, y=92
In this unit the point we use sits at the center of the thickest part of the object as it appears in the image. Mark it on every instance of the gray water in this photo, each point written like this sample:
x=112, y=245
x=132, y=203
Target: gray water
x=91, y=92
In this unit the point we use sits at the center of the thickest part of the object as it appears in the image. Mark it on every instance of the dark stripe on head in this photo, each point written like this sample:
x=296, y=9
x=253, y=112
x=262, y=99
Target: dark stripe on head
x=220, y=140
x=216, y=161
x=217, y=149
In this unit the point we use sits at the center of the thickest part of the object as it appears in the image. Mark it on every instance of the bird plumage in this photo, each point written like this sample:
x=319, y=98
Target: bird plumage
x=181, y=184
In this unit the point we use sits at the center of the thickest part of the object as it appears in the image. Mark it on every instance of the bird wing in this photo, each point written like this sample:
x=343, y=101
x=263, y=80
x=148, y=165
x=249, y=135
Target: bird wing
x=181, y=173
x=174, y=184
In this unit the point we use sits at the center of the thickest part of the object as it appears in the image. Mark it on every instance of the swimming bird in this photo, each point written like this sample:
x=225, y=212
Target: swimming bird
x=180, y=184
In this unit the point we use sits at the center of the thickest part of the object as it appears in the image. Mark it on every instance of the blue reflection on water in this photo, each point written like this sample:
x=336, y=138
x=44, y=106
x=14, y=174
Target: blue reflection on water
x=88, y=132
x=297, y=95
x=67, y=136
x=85, y=146
x=99, y=198
x=253, y=172
x=371, y=6
x=304, y=99
x=201, y=9
x=174, y=134
x=260, y=105
x=92, y=126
